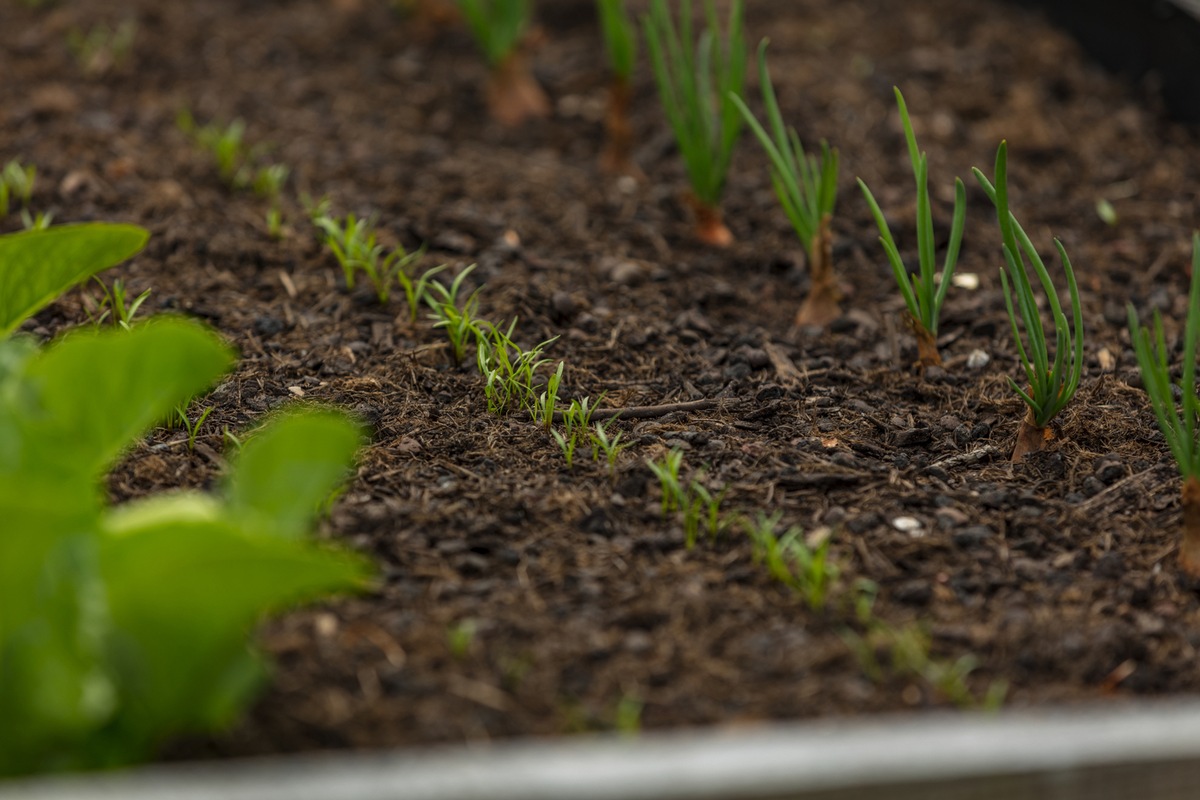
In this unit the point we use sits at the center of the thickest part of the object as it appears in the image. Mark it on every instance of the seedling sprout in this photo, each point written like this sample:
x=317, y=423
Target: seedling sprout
x=1051, y=384
x=697, y=81
x=807, y=188
x=923, y=293
x=1179, y=429
x=501, y=28
x=620, y=42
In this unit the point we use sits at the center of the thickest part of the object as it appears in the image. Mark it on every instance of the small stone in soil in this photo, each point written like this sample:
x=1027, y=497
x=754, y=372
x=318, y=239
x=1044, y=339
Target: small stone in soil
x=909, y=525
x=978, y=359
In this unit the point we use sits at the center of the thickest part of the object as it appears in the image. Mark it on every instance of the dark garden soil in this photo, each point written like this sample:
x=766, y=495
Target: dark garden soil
x=1058, y=575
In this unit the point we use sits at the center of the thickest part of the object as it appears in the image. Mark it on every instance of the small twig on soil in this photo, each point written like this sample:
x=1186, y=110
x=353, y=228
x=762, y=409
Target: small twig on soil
x=967, y=459
x=647, y=412
x=1104, y=495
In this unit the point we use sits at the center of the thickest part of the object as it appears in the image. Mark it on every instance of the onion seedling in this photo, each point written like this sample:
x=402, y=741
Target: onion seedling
x=500, y=27
x=353, y=243
x=1052, y=383
x=1178, y=429
x=620, y=42
x=923, y=293
x=807, y=188
x=696, y=84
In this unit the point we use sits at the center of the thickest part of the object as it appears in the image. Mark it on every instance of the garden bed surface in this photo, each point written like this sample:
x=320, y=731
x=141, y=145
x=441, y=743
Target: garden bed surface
x=1058, y=575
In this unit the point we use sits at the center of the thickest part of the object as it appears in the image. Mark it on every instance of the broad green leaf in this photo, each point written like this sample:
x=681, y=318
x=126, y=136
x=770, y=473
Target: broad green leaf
x=38, y=266
x=294, y=464
x=185, y=591
x=56, y=658
x=100, y=390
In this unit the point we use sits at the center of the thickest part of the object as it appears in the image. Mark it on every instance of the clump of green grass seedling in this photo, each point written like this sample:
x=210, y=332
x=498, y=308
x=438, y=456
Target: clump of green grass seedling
x=36, y=222
x=501, y=28
x=620, y=42
x=545, y=404
x=227, y=146
x=461, y=636
x=123, y=626
x=191, y=426
x=922, y=291
x=102, y=48
x=1051, y=383
x=702, y=509
x=16, y=182
x=115, y=304
x=576, y=422
x=460, y=321
x=610, y=447
x=807, y=188
x=802, y=566
x=1179, y=429
x=268, y=183
x=508, y=370
x=38, y=266
x=354, y=243
x=908, y=650
x=667, y=472
x=697, y=81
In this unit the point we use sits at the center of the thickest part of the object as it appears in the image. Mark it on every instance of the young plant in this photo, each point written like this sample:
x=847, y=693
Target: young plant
x=227, y=146
x=1179, y=429
x=268, y=183
x=807, y=188
x=567, y=441
x=459, y=321
x=36, y=222
x=115, y=304
x=804, y=568
x=620, y=42
x=122, y=626
x=192, y=428
x=16, y=181
x=923, y=293
x=38, y=266
x=500, y=27
x=611, y=448
x=697, y=82
x=102, y=48
x=353, y=243
x=673, y=494
x=1052, y=383
x=544, y=405
x=701, y=508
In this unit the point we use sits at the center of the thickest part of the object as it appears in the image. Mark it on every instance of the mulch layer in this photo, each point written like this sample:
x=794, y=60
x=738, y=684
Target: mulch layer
x=517, y=596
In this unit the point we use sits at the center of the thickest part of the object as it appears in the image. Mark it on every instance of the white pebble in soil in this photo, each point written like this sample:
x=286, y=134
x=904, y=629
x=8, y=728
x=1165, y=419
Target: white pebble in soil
x=910, y=525
x=978, y=359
